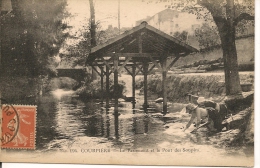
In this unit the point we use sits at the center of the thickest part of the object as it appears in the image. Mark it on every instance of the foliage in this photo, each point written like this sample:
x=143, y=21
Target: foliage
x=181, y=36
x=207, y=36
x=226, y=14
x=65, y=83
x=76, y=48
x=178, y=85
x=93, y=89
x=31, y=36
x=107, y=34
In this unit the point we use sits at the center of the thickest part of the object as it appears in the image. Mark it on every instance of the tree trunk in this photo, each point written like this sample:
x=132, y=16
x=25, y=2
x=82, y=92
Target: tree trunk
x=92, y=24
x=227, y=37
x=92, y=30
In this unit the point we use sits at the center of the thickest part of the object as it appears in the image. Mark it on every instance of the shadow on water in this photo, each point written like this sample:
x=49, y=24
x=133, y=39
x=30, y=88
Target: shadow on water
x=66, y=118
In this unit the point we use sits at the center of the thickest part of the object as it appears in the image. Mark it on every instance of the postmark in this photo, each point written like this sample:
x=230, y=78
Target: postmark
x=18, y=126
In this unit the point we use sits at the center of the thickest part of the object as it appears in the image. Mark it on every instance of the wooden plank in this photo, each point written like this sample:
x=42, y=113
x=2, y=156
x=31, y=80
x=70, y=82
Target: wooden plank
x=140, y=44
x=133, y=82
x=116, y=85
x=94, y=49
x=102, y=83
x=93, y=67
x=107, y=87
x=136, y=73
x=145, y=66
x=137, y=66
x=126, y=61
x=128, y=71
x=156, y=64
x=171, y=64
x=107, y=64
x=149, y=71
x=164, y=85
x=172, y=39
x=156, y=55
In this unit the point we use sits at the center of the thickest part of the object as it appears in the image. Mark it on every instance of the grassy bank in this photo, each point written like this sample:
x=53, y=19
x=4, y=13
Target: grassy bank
x=206, y=85
x=24, y=90
x=19, y=90
x=93, y=89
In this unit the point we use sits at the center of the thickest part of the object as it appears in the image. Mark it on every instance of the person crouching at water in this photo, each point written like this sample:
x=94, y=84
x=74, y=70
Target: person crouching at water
x=203, y=116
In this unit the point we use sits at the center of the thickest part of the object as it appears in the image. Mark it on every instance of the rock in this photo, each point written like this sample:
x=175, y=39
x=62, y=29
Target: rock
x=225, y=138
x=249, y=132
x=239, y=102
x=238, y=120
x=159, y=100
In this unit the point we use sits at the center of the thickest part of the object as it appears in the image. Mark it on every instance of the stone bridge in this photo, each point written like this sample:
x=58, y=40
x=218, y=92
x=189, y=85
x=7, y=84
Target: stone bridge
x=77, y=74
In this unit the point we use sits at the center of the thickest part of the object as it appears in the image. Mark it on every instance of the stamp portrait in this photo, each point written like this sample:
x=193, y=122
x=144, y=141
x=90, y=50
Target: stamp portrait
x=18, y=126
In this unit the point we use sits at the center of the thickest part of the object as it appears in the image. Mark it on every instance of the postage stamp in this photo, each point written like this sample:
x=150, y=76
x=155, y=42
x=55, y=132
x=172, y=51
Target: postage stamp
x=18, y=126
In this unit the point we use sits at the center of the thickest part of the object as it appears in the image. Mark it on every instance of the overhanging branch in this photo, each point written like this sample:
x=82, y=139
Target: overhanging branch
x=243, y=16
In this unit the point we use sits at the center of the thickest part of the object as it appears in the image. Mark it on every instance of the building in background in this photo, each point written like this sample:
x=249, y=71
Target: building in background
x=174, y=22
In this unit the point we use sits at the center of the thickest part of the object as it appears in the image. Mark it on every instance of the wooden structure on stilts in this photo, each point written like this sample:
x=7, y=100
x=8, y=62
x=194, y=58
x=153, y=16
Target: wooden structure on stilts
x=138, y=50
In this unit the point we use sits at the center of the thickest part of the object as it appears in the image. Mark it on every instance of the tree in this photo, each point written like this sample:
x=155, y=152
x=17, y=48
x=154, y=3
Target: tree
x=31, y=36
x=181, y=36
x=76, y=48
x=226, y=14
x=207, y=36
x=92, y=24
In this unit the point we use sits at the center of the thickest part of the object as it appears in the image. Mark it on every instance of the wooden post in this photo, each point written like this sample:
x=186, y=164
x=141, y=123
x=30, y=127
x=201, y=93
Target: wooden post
x=145, y=66
x=107, y=87
x=116, y=125
x=164, y=85
x=133, y=83
x=116, y=84
x=102, y=83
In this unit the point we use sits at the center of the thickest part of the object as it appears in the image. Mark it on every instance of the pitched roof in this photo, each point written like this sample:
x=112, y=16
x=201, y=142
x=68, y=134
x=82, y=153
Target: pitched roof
x=153, y=41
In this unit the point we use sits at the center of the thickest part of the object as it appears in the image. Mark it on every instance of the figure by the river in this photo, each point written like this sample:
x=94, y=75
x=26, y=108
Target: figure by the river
x=20, y=138
x=207, y=112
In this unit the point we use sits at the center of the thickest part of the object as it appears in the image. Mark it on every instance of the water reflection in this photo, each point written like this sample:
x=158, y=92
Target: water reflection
x=67, y=118
x=87, y=124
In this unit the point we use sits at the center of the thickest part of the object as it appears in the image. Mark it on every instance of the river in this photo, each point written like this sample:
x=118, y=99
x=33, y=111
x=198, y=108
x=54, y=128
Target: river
x=65, y=122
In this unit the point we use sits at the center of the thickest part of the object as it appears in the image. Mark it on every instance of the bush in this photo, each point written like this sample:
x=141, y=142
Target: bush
x=65, y=83
x=93, y=89
x=19, y=90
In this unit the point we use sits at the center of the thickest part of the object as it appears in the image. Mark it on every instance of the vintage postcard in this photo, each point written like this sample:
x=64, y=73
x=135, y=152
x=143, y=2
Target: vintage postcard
x=129, y=82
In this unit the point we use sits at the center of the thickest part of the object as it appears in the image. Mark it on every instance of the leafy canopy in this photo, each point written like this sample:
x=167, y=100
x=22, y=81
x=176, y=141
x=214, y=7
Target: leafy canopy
x=31, y=36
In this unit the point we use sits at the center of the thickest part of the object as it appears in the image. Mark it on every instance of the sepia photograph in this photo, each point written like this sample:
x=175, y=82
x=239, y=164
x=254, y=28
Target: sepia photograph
x=128, y=82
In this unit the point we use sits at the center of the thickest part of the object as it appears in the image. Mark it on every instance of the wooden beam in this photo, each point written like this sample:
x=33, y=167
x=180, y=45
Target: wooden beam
x=164, y=85
x=93, y=67
x=126, y=61
x=116, y=89
x=101, y=68
x=128, y=71
x=102, y=83
x=134, y=54
x=107, y=87
x=140, y=44
x=171, y=64
x=107, y=64
x=171, y=39
x=149, y=71
x=133, y=81
x=120, y=37
x=145, y=66
x=137, y=66
x=136, y=73
x=156, y=64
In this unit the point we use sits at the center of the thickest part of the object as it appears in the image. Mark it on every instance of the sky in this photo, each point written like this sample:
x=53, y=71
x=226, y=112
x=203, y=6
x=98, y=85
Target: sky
x=107, y=11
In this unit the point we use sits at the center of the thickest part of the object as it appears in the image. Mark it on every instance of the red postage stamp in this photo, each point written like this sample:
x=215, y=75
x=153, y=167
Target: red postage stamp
x=18, y=126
